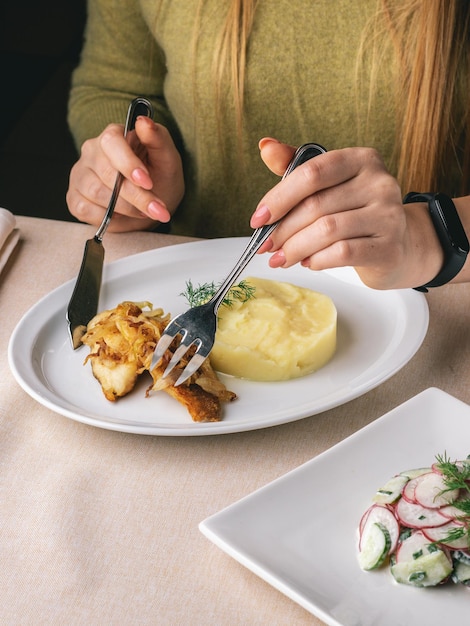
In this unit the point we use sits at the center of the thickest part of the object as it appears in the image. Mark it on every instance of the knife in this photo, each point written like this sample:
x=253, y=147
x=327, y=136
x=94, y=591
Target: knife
x=83, y=304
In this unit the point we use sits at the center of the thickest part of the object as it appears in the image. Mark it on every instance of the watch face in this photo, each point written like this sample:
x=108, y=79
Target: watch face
x=451, y=222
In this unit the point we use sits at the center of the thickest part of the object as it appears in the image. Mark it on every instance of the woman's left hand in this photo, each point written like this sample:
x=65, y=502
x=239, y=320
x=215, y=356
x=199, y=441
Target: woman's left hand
x=344, y=208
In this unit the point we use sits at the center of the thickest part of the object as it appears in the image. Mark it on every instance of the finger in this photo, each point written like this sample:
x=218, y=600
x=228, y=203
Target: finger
x=88, y=198
x=321, y=234
x=133, y=199
x=324, y=171
x=275, y=155
x=86, y=211
x=120, y=157
x=163, y=160
x=136, y=188
x=158, y=142
x=333, y=240
x=348, y=196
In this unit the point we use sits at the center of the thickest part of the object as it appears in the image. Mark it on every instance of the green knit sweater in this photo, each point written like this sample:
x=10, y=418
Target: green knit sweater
x=300, y=86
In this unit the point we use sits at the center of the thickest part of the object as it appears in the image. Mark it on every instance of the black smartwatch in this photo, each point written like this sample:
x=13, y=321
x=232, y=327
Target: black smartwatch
x=450, y=232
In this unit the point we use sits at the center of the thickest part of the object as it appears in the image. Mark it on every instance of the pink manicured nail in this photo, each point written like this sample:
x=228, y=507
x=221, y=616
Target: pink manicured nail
x=158, y=211
x=141, y=178
x=266, y=246
x=143, y=119
x=260, y=216
x=278, y=259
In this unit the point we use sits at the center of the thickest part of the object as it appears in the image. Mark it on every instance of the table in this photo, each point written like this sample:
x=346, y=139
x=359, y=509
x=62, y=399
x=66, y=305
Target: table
x=100, y=527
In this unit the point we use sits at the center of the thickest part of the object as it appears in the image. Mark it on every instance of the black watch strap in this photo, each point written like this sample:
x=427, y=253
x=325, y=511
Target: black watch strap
x=450, y=232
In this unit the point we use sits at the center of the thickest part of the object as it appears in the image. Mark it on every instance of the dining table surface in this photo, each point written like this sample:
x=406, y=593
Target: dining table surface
x=101, y=527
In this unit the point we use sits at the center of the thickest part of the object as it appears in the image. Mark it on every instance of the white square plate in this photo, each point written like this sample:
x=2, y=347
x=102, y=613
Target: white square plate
x=299, y=532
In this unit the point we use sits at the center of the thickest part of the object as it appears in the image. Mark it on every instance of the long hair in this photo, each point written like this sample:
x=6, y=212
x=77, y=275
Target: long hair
x=230, y=54
x=431, y=46
x=431, y=49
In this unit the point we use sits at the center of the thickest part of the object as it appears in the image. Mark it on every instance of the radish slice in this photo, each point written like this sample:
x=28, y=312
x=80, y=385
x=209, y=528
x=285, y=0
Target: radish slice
x=431, y=491
x=452, y=512
x=409, y=490
x=418, y=516
x=379, y=514
x=413, y=547
x=443, y=533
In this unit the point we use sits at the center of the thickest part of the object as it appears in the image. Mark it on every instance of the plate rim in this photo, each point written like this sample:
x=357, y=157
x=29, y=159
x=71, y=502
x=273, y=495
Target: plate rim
x=118, y=270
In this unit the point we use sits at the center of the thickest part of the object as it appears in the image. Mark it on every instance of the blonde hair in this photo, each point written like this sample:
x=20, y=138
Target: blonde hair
x=431, y=46
x=230, y=53
x=432, y=75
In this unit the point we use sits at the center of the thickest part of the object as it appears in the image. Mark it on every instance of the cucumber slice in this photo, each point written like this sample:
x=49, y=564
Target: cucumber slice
x=461, y=574
x=391, y=491
x=375, y=546
x=426, y=571
x=413, y=473
x=381, y=514
x=461, y=556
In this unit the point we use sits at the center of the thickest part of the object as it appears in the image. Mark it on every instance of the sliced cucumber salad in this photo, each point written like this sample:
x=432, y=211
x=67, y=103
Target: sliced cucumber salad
x=419, y=524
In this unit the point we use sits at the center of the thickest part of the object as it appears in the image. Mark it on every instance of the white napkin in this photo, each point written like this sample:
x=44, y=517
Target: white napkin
x=9, y=235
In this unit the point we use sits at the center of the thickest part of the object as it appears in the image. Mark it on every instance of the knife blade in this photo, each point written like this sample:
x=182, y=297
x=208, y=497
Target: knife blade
x=83, y=304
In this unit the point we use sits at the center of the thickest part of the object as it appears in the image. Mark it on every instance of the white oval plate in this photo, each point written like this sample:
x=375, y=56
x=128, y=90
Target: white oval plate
x=378, y=333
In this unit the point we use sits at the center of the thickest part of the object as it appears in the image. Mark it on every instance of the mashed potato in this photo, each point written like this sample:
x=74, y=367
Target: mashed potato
x=283, y=332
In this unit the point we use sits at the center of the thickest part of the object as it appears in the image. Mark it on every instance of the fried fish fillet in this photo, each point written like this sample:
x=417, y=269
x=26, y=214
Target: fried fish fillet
x=201, y=394
x=122, y=341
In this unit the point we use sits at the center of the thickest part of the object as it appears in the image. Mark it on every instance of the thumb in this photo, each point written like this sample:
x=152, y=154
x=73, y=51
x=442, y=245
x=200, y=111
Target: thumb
x=275, y=155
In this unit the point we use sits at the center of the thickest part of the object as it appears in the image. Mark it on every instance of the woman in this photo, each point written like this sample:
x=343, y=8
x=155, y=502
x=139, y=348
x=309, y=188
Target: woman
x=392, y=75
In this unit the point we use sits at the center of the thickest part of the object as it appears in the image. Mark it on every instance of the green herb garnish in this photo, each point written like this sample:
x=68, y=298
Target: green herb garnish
x=456, y=475
x=196, y=296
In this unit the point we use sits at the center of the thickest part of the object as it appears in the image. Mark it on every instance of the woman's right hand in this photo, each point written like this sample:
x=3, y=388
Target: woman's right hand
x=153, y=184
x=344, y=208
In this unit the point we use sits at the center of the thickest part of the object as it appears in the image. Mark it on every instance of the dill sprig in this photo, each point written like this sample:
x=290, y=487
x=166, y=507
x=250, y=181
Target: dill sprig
x=464, y=506
x=453, y=535
x=456, y=475
x=196, y=296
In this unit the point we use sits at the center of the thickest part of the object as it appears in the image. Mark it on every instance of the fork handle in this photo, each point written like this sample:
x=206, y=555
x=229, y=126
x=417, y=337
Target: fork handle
x=304, y=153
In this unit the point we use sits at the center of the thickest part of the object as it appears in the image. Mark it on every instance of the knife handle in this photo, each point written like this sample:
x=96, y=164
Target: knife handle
x=138, y=106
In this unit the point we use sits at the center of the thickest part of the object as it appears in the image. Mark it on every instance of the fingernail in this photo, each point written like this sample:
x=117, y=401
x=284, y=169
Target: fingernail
x=146, y=120
x=158, y=211
x=305, y=262
x=142, y=178
x=266, y=246
x=278, y=259
x=265, y=140
x=260, y=216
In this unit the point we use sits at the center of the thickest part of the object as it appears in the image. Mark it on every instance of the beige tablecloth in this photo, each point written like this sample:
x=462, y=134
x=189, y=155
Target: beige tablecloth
x=100, y=527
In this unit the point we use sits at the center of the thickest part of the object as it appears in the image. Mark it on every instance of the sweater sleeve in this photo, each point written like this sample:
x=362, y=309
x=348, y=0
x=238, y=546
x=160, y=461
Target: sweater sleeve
x=120, y=60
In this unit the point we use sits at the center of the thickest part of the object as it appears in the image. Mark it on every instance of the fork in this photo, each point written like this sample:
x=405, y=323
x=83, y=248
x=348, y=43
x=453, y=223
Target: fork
x=198, y=325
